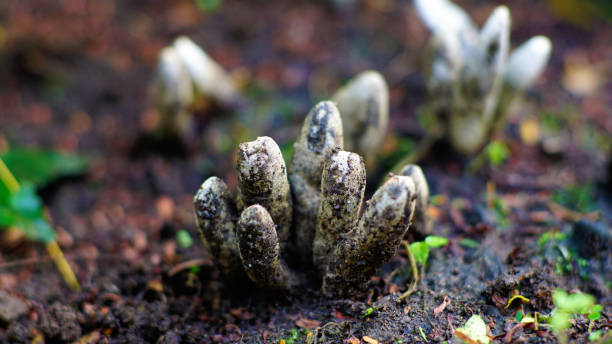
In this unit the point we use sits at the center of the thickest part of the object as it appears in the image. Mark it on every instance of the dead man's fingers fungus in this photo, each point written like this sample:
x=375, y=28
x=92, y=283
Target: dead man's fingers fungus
x=312, y=212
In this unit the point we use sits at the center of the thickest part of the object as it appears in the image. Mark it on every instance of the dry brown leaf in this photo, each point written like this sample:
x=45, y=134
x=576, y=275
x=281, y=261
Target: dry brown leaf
x=307, y=323
x=241, y=313
x=352, y=340
x=442, y=306
x=369, y=340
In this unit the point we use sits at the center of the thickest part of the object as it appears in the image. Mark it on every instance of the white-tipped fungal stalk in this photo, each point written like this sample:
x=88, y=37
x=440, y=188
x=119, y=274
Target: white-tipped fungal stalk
x=471, y=76
x=364, y=105
x=256, y=233
x=185, y=75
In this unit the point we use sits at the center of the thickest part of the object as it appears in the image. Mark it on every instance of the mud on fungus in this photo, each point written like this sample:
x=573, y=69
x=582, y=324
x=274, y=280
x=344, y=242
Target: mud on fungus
x=313, y=212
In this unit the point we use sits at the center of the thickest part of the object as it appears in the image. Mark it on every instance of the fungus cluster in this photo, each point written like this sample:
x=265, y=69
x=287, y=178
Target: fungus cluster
x=284, y=222
x=471, y=75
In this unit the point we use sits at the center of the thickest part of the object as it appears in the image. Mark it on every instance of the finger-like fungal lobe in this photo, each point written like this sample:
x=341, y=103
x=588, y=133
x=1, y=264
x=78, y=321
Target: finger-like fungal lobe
x=262, y=179
x=374, y=240
x=321, y=133
x=260, y=249
x=172, y=80
x=527, y=62
x=342, y=187
x=419, y=224
x=215, y=217
x=206, y=74
x=364, y=105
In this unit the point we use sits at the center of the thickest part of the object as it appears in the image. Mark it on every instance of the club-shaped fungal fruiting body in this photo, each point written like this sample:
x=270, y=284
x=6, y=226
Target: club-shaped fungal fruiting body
x=471, y=77
x=186, y=75
x=364, y=105
x=311, y=215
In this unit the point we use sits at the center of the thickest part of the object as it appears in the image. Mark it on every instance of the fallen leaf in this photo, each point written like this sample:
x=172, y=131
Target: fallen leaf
x=241, y=313
x=498, y=300
x=369, y=340
x=341, y=316
x=307, y=323
x=474, y=331
x=442, y=306
x=352, y=340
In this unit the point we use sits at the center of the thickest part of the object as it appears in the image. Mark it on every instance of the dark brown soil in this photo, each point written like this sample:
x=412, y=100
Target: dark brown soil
x=75, y=76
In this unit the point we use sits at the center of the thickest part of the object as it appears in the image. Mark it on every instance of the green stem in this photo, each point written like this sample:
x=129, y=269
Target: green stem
x=415, y=272
x=7, y=178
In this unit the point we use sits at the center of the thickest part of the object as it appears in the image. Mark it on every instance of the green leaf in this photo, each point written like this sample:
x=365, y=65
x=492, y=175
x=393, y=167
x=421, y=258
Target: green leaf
x=5, y=193
x=38, y=229
x=420, y=251
x=24, y=211
x=208, y=5
x=518, y=316
x=183, y=238
x=34, y=227
x=595, y=335
x=574, y=303
x=422, y=333
x=551, y=235
x=577, y=197
x=594, y=316
x=368, y=312
x=7, y=217
x=559, y=321
x=40, y=167
x=498, y=153
x=436, y=241
x=26, y=202
x=475, y=329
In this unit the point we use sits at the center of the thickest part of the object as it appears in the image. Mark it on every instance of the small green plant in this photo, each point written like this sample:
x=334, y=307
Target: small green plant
x=420, y=249
x=501, y=212
x=22, y=209
x=551, y=236
x=569, y=306
x=369, y=311
x=576, y=197
x=418, y=252
x=422, y=333
x=494, y=155
x=295, y=336
x=497, y=152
